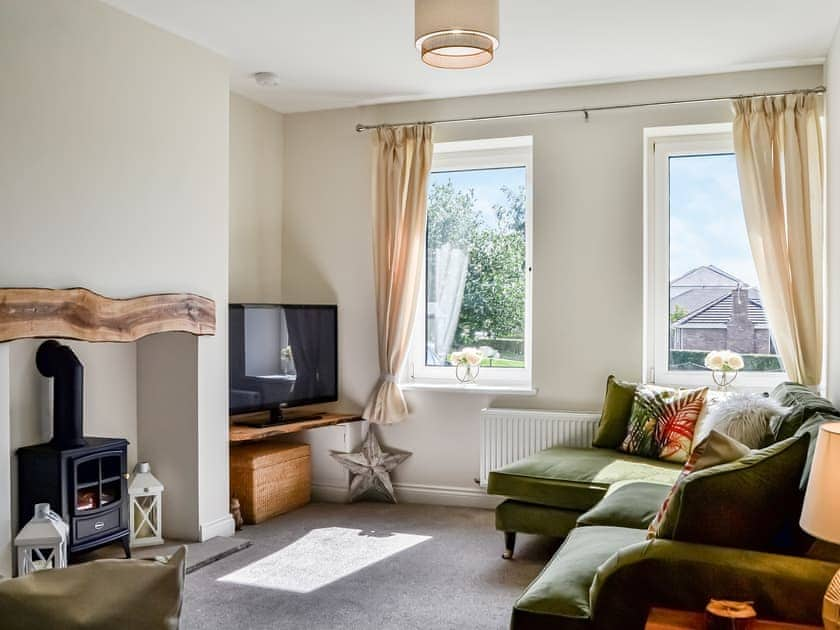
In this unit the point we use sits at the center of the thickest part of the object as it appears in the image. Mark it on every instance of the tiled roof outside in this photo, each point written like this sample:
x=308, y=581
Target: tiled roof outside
x=718, y=312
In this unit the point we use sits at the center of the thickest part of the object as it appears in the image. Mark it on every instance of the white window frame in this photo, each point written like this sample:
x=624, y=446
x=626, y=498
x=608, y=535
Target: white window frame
x=661, y=143
x=474, y=155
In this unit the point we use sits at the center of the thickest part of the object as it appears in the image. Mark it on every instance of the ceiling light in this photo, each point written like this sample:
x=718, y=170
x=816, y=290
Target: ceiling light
x=456, y=34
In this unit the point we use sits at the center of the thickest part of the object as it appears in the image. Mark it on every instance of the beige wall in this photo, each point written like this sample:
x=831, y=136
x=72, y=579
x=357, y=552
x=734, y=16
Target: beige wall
x=256, y=201
x=832, y=82
x=110, y=397
x=587, y=250
x=114, y=172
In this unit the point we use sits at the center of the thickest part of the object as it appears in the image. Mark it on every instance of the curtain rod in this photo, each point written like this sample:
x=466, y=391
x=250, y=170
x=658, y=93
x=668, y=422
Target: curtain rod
x=586, y=110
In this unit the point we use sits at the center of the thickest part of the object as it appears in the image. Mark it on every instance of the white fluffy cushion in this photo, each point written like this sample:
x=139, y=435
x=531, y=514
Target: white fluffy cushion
x=704, y=427
x=745, y=417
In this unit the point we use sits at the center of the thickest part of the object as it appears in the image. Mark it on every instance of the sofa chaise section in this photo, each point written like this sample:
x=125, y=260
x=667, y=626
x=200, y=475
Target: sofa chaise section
x=559, y=596
x=549, y=490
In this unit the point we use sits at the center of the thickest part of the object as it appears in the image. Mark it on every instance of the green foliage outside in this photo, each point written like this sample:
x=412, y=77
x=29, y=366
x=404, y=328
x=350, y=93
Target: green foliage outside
x=678, y=313
x=494, y=294
x=693, y=360
x=499, y=362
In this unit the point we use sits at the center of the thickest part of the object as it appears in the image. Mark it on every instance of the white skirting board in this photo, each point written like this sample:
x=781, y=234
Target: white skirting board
x=222, y=526
x=454, y=496
x=446, y=495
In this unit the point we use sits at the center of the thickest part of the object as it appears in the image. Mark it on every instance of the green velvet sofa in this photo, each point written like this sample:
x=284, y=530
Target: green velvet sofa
x=607, y=573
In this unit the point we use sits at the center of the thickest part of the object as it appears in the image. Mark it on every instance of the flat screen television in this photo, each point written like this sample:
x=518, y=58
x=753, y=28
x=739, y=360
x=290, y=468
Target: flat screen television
x=282, y=355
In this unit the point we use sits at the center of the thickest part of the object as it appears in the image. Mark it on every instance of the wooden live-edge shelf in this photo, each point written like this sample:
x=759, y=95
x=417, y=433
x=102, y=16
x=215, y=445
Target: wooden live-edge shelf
x=33, y=313
x=241, y=433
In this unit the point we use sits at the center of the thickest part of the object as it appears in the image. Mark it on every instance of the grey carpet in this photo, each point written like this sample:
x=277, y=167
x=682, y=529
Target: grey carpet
x=448, y=573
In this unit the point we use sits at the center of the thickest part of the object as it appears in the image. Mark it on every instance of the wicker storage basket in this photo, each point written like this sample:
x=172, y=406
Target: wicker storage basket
x=270, y=478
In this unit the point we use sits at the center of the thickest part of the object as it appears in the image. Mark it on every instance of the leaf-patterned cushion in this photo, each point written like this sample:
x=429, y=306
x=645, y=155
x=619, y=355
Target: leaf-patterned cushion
x=662, y=423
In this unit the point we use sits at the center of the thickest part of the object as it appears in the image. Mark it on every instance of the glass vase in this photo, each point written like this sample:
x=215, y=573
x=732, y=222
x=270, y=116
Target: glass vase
x=466, y=373
x=723, y=379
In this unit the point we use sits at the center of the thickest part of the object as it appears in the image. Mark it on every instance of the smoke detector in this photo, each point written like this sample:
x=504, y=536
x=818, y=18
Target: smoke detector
x=266, y=79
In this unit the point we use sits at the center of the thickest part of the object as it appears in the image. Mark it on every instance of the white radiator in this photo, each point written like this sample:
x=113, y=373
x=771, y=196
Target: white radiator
x=508, y=435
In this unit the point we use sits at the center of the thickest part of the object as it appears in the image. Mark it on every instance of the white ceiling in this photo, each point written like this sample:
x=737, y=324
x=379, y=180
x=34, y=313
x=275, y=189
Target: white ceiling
x=339, y=53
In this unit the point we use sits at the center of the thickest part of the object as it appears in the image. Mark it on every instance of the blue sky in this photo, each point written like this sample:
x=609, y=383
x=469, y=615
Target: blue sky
x=487, y=185
x=707, y=220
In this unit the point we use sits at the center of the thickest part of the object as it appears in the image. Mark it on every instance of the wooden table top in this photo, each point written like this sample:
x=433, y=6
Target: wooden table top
x=667, y=619
x=241, y=433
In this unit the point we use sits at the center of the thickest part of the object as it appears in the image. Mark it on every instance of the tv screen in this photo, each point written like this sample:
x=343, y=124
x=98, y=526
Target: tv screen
x=282, y=355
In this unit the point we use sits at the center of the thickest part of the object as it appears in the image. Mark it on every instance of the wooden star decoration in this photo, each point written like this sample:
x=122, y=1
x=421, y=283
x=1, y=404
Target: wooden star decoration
x=370, y=469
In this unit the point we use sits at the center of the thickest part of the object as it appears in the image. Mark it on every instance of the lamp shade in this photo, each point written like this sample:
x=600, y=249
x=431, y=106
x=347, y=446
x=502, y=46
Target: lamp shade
x=456, y=34
x=821, y=509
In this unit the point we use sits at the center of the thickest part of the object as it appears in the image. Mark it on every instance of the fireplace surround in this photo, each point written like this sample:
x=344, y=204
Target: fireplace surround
x=82, y=478
x=164, y=347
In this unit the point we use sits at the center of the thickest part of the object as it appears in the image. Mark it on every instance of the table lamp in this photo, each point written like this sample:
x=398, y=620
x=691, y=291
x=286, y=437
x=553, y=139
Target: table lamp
x=821, y=509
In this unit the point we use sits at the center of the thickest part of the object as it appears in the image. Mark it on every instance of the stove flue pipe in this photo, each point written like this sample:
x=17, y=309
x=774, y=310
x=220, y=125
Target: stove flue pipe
x=60, y=363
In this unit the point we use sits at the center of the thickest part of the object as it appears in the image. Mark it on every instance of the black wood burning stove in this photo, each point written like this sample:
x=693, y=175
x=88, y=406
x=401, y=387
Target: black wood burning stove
x=82, y=478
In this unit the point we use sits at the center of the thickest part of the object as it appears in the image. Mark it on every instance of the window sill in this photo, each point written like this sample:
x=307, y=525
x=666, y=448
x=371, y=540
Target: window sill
x=748, y=382
x=472, y=388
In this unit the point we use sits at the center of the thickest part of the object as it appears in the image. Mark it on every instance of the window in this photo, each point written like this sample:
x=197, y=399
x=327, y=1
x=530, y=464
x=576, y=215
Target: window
x=477, y=275
x=702, y=290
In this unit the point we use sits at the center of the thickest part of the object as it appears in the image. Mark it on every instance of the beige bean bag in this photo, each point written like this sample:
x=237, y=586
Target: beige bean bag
x=103, y=594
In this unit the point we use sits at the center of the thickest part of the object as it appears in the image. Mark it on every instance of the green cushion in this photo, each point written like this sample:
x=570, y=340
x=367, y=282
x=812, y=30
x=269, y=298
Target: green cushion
x=575, y=478
x=618, y=403
x=530, y=518
x=561, y=591
x=811, y=427
x=803, y=404
x=632, y=504
x=713, y=450
x=789, y=394
x=749, y=503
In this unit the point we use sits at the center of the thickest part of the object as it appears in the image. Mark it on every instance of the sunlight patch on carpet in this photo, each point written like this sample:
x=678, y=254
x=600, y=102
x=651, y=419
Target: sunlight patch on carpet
x=321, y=557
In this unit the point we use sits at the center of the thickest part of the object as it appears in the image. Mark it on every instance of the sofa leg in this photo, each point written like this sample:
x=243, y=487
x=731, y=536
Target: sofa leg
x=510, y=543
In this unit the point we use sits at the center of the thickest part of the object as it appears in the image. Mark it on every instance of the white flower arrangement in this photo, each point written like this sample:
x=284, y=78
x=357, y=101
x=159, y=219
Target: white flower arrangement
x=724, y=361
x=724, y=365
x=466, y=356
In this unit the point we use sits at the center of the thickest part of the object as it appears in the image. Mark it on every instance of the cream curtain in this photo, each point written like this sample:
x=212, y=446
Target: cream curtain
x=403, y=159
x=779, y=151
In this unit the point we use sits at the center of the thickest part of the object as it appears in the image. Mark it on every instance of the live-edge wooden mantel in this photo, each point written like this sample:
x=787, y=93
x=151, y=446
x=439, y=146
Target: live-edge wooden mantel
x=87, y=316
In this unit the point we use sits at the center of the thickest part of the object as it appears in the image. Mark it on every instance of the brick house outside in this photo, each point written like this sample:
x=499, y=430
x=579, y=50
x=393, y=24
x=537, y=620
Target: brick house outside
x=714, y=310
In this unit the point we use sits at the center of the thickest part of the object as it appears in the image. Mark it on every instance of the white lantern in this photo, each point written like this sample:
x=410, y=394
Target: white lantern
x=146, y=518
x=42, y=543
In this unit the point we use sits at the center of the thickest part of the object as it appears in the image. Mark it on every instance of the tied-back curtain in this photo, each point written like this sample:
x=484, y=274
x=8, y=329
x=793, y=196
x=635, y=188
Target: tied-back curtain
x=403, y=159
x=779, y=151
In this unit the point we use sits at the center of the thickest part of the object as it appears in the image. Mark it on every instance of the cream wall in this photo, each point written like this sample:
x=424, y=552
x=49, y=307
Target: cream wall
x=114, y=172
x=256, y=201
x=587, y=311
x=110, y=396
x=832, y=82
